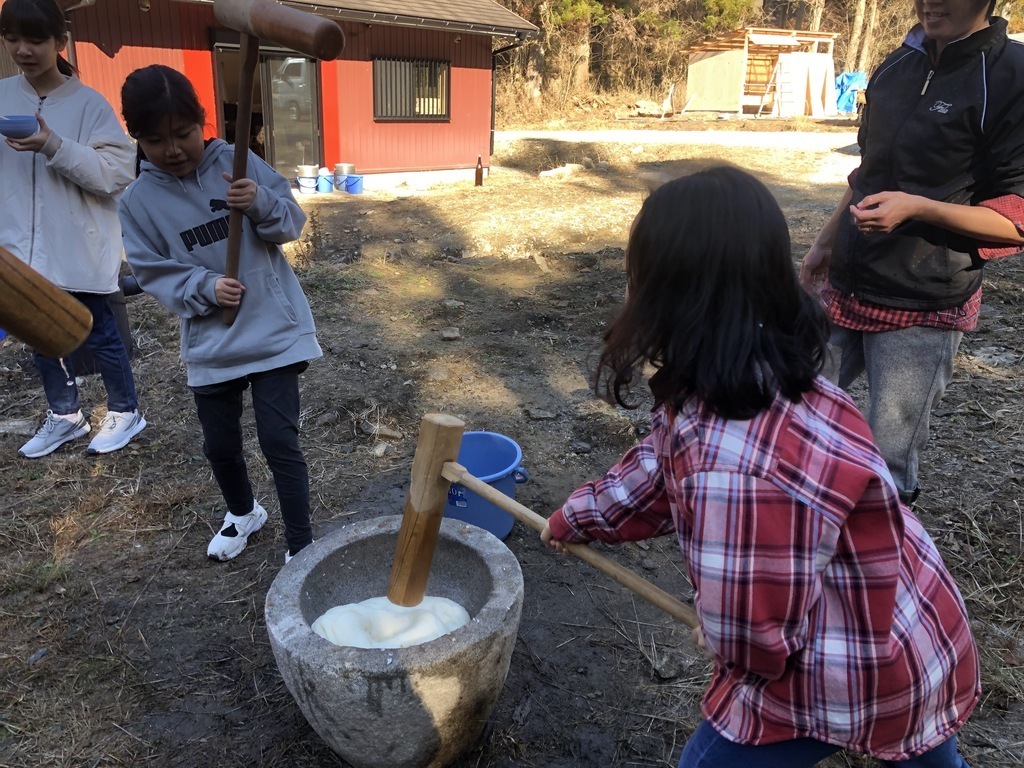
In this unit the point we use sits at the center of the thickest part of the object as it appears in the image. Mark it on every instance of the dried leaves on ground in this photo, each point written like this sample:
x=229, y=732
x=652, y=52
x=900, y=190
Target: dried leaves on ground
x=123, y=645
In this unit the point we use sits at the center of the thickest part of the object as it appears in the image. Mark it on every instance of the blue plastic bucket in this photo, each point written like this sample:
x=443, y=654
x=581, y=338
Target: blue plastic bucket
x=494, y=459
x=324, y=183
x=354, y=184
x=339, y=181
x=307, y=185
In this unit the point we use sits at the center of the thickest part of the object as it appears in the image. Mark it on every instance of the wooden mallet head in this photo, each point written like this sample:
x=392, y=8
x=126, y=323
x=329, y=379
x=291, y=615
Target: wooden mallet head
x=312, y=35
x=439, y=441
x=38, y=312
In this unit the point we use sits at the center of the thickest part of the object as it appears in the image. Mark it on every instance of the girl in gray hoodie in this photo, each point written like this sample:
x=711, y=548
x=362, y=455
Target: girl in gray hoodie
x=175, y=223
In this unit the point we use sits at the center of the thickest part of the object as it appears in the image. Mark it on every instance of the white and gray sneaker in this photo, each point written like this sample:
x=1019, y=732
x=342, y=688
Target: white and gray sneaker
x=116, y=430
x=234, y=533
x=55, y=431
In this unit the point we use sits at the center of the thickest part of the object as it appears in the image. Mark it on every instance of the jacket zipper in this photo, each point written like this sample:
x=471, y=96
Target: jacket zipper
x=924, y=89
x=927, y=81
x=32, y=238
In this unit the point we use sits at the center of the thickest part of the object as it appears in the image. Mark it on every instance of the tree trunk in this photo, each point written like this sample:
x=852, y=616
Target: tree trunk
x=535, y=66
x=867, y=47
x=537, y=56
x=817, y=10
x=856, y=32
x=581, y=65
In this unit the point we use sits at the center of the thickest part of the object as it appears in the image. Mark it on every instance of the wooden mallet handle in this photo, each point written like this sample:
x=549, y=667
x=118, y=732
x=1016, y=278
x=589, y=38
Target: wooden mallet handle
x=243, y=120
x=439, y=441
x=457, y=473
x=39, y=313
x=289, y=27
x=304, y=32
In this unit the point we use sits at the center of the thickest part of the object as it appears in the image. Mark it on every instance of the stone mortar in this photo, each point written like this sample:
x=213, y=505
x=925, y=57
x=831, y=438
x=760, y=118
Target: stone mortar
x=405, y=707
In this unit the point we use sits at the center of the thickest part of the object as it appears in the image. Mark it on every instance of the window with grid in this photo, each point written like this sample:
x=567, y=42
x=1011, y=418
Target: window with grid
x=410, y=89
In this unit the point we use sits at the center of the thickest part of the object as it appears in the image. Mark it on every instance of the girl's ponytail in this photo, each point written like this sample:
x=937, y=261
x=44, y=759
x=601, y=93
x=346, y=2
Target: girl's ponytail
x=64, y=66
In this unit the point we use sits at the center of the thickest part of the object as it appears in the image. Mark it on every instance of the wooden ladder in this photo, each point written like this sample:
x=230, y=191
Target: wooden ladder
x=769, y=89
x=779, y=87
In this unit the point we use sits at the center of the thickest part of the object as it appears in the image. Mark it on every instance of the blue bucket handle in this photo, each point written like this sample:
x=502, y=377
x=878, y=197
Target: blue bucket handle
x=520, y=475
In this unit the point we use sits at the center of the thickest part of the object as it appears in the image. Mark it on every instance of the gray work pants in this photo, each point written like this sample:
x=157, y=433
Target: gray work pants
x=908, y=370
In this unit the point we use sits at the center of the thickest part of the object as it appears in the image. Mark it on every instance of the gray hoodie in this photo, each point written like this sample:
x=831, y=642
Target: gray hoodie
x=175, y=238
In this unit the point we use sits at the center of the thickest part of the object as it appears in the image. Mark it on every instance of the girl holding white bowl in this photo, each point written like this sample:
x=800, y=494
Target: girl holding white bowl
x=58, y=214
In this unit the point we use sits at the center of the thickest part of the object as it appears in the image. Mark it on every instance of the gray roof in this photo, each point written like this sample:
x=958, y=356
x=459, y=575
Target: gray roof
x=474, y=16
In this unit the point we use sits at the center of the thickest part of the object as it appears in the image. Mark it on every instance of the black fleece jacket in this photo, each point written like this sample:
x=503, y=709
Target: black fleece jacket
x=950, y=130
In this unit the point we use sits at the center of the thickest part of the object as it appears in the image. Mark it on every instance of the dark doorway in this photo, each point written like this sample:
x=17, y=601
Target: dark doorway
x=285, y=128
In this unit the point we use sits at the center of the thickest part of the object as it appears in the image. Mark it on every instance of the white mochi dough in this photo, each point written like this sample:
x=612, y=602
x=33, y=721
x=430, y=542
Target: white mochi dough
x=379, y=623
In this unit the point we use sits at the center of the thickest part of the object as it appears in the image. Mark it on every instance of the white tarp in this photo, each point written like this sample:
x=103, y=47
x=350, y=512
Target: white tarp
x=805, y=85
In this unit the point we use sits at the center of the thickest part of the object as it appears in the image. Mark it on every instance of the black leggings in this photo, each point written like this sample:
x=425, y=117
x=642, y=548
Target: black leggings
x=275, y=404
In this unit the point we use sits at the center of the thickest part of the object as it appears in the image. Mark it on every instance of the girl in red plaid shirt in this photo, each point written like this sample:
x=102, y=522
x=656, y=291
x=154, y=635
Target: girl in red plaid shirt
x=831, y=618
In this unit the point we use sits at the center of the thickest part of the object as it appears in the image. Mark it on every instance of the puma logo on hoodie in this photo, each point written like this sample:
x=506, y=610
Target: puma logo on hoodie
x=205, y=234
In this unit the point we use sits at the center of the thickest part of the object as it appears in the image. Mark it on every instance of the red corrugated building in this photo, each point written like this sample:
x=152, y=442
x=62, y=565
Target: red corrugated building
x=412, y=90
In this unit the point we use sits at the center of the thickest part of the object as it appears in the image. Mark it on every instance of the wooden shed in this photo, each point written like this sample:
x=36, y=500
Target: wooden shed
x=763, y=71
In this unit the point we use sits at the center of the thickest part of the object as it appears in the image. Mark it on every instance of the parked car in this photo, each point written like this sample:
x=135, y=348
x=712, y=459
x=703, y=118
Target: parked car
x=290, y=88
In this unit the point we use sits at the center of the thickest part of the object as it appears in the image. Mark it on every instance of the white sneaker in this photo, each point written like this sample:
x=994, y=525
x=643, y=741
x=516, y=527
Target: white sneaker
x=56, y=431
x=116, y=430
x=234, y=533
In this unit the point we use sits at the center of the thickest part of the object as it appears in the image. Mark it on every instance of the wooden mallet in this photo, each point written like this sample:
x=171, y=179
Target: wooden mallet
x=434, y=467
x=457, y=473
x=304, y=32
x=439, y=440
x=39, y=313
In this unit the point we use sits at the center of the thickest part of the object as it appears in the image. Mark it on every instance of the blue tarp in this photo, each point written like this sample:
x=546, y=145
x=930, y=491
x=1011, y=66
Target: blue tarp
x=847, y=85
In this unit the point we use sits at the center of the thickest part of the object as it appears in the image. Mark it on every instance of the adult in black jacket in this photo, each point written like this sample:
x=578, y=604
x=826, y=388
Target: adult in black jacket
x=938, y=192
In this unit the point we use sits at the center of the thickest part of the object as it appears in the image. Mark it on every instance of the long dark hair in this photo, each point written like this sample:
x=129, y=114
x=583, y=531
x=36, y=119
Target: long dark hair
x=713, y=301
x=36, y=19
x=152, y=94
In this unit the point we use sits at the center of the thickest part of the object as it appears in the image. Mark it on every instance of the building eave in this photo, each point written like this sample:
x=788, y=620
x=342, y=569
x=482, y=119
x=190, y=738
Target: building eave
x=442, y=25
x=402, y=20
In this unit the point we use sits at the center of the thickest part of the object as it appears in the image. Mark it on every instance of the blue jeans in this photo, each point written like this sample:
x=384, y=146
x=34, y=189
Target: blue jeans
x=111, y=357
x=708, y=749
x=275, y=404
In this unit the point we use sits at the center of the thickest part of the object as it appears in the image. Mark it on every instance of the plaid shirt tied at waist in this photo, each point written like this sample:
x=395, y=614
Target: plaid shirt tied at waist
x=847, y=311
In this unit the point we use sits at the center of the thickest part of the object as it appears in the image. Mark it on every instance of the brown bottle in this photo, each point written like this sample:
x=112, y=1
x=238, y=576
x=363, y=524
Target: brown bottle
x=479, y=180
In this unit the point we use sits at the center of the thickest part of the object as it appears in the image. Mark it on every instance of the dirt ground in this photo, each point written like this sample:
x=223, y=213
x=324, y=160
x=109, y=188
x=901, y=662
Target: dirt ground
x=123, y=645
